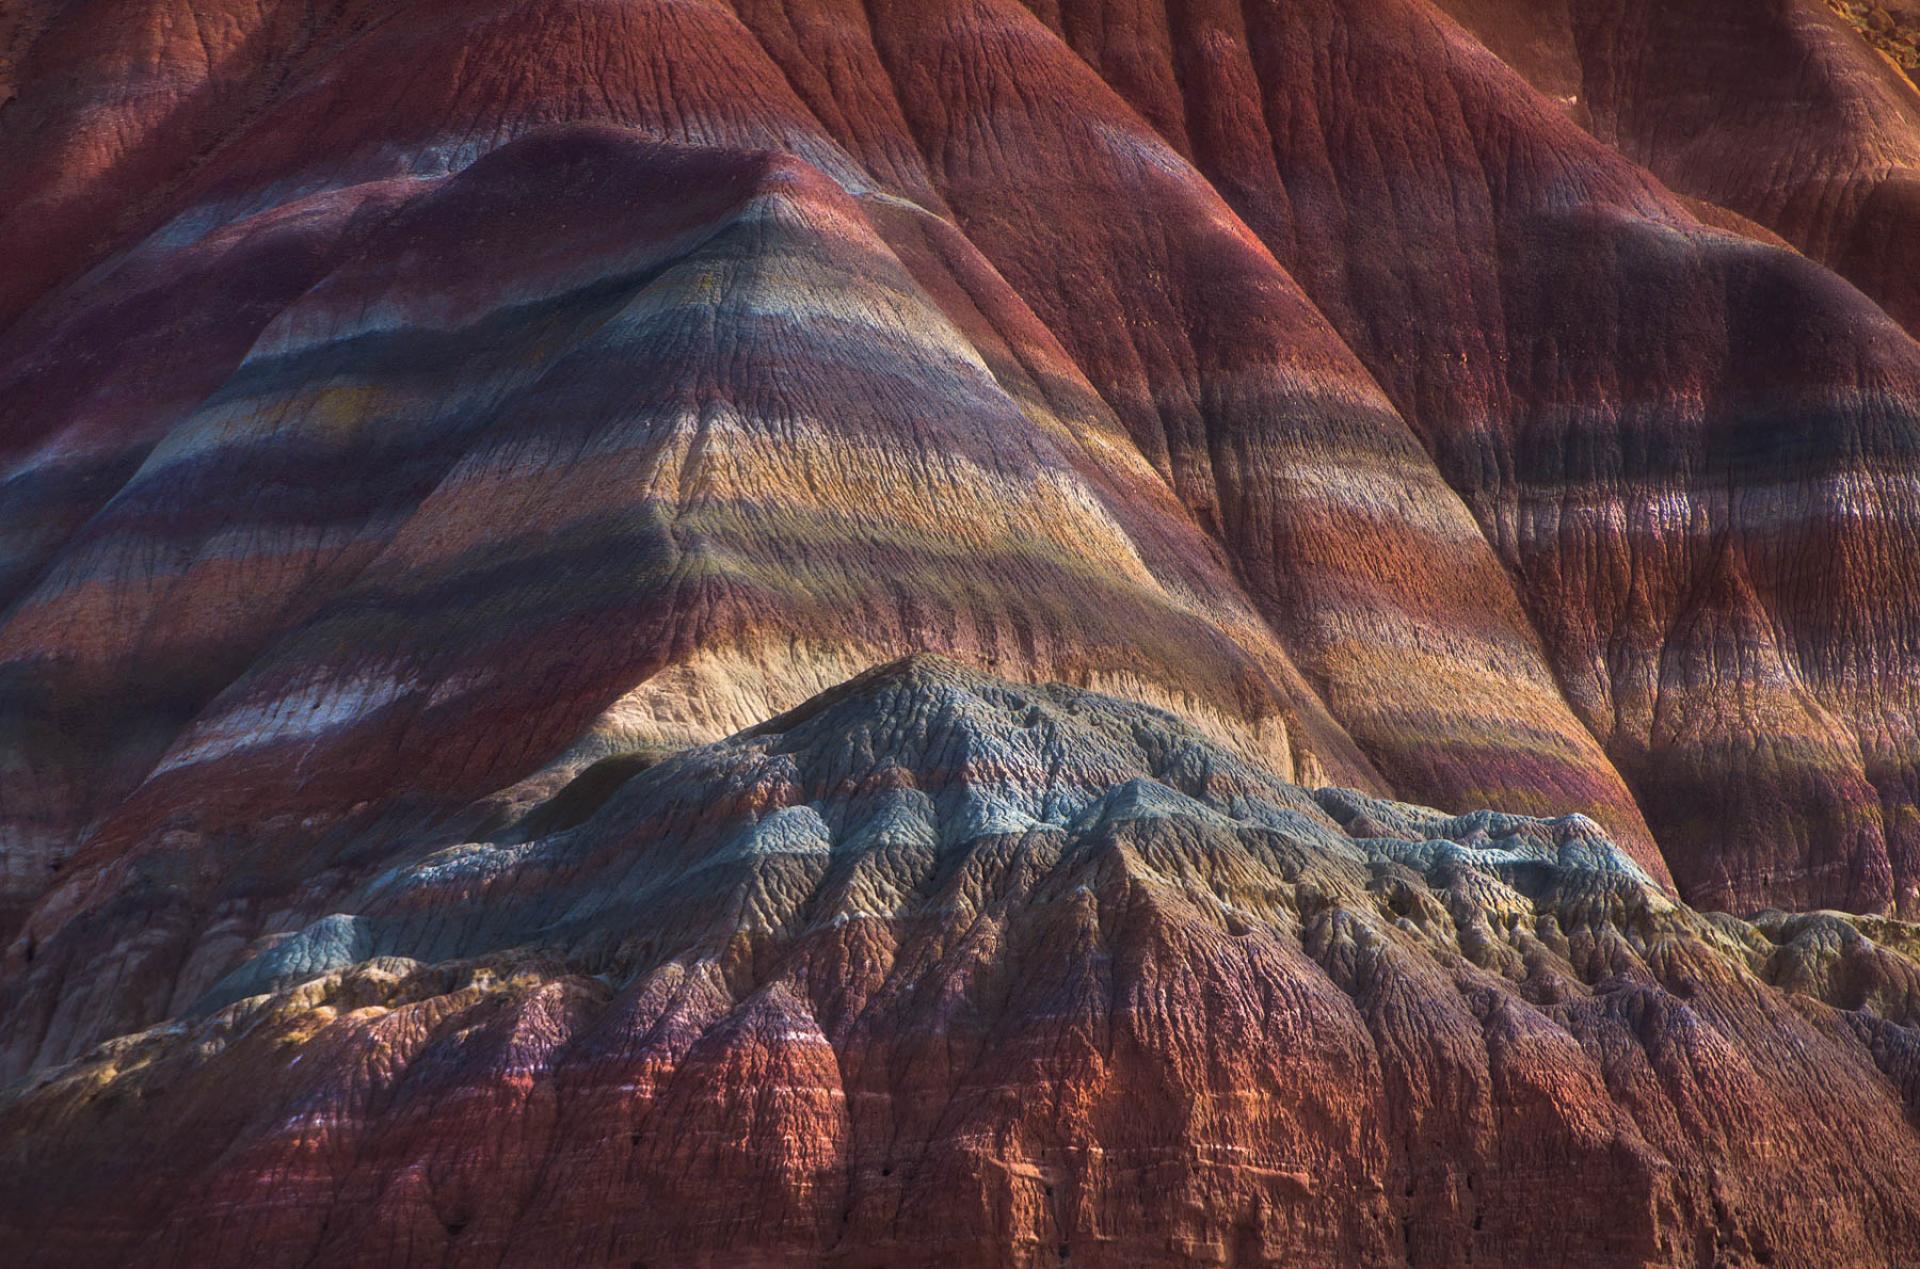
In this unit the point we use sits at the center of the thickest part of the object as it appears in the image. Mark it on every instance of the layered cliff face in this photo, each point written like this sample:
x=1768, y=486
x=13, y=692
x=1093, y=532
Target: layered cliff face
x=939, y=969
x=418, y=418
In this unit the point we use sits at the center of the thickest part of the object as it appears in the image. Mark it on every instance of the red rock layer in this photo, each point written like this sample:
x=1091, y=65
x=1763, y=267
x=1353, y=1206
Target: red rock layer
x=941, y=970
x=1691, y=451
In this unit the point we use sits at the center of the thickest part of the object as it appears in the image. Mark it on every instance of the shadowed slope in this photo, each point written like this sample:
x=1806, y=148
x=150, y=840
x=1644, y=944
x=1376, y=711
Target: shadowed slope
x=941, y=967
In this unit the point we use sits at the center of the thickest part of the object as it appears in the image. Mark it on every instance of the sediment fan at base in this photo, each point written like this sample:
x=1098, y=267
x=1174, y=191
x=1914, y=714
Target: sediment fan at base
x=938, y=968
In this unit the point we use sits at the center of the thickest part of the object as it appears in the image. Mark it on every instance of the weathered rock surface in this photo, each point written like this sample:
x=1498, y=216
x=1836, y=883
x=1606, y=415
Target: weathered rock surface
x=418, y=417
x=942, y=969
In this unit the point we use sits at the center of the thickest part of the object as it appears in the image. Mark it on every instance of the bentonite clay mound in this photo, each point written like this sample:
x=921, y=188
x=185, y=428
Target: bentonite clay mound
x=938, y=969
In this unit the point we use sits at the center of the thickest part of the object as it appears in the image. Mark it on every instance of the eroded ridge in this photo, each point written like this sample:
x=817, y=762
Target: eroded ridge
x=941, y=967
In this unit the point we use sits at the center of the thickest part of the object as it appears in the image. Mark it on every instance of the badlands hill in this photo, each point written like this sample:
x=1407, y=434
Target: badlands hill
x=937, y=969
x=419, y=418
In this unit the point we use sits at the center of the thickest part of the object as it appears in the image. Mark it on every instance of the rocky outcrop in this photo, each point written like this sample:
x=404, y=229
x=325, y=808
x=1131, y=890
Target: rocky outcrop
x=940, y=968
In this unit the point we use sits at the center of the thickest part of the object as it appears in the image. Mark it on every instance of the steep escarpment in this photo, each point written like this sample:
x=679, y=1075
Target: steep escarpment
x=942, y=968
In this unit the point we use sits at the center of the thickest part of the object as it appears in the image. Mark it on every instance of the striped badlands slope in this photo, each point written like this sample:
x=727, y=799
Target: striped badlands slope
x=418, y=416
